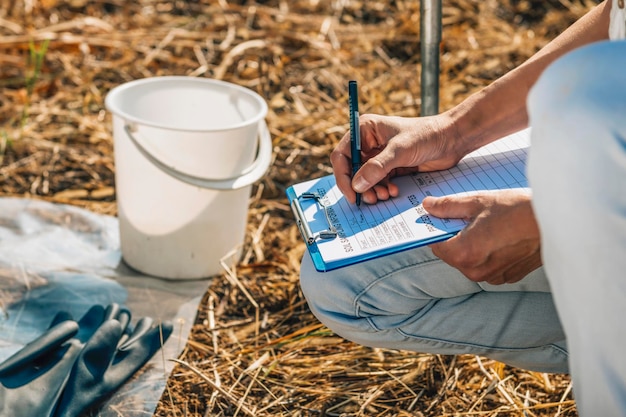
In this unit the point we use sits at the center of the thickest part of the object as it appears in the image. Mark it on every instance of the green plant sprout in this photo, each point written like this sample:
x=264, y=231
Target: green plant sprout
x=35, y=63
x=36, y=57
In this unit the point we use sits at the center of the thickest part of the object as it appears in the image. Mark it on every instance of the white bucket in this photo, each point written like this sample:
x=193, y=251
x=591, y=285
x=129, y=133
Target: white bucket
x=186, y=153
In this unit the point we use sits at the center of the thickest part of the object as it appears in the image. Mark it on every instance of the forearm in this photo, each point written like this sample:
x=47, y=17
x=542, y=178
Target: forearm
x=500, y=108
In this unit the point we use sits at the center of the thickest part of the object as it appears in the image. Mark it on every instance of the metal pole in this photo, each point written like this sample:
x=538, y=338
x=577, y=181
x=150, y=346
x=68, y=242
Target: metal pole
x=430, y=39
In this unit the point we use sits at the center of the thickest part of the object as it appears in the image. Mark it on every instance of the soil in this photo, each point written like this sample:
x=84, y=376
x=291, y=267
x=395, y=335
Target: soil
x=255, y=348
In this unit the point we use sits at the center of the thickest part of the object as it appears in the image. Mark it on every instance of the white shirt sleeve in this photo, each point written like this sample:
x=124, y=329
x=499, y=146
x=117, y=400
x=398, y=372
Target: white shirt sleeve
x=617, y=25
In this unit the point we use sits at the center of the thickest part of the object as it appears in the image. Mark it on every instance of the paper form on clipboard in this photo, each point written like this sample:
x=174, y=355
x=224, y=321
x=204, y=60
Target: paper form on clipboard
x=338, y=233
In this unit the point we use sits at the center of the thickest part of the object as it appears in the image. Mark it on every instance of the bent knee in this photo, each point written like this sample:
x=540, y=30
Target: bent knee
x=576, y=110
x=332, y=303
x=587, y=82
x=327, y=295
x=362, y=306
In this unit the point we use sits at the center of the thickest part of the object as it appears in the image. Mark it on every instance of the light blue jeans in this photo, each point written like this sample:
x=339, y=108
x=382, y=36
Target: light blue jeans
x=577, y=170
x=414, y=301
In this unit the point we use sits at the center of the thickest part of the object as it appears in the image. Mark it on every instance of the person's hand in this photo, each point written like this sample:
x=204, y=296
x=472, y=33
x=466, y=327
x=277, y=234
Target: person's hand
x=392, y=146
x=501, y=242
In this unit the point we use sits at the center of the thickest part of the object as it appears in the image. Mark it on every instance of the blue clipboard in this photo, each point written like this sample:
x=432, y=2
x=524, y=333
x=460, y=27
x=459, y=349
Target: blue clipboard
x=338, y=234
x=319, y=228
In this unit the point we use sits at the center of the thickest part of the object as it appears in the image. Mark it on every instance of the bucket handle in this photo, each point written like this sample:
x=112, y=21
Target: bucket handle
x=253, y=173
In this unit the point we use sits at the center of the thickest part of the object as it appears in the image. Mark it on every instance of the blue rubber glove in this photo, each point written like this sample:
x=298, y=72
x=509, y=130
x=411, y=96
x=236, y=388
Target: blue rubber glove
x=33, y=379
x=74, y=365
x=110, y=357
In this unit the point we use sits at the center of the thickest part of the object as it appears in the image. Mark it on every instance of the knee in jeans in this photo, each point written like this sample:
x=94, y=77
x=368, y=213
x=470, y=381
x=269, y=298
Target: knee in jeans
x=586, y=82
x=325, y=296
x=331, y=303
x=335, y=300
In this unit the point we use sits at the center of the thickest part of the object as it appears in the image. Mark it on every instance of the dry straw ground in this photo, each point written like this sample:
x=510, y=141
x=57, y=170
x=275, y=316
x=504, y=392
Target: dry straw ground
x=255, y=348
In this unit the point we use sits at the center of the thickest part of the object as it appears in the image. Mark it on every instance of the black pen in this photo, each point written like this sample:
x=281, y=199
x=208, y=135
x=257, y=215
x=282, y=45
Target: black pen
x=355, y=133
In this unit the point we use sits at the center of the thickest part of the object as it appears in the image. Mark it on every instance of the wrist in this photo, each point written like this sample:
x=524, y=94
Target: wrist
x=484, y=117
x=462, y=126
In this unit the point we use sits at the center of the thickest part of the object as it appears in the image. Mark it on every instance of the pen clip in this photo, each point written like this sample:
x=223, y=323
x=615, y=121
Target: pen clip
x=303, y=225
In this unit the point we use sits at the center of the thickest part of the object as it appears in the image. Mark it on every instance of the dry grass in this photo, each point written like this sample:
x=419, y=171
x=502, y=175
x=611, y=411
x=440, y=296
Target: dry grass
x=255, y=348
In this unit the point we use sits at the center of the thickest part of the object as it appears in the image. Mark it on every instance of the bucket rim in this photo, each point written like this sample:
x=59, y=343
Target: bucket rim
x=115, y=109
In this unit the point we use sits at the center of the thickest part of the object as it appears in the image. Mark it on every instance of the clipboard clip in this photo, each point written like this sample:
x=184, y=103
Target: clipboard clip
x=303, y=225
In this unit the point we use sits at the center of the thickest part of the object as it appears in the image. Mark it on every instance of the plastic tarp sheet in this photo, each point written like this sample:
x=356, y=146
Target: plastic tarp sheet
x=57, y=257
